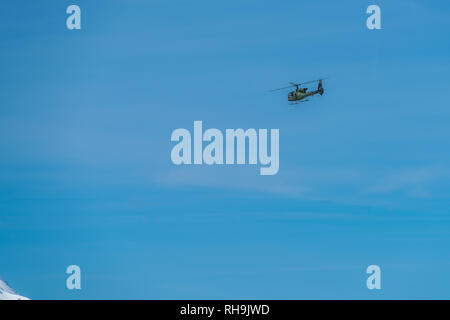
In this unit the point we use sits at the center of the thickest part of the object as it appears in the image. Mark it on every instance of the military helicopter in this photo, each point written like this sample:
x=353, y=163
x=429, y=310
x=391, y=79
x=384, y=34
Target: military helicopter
x=299, y=94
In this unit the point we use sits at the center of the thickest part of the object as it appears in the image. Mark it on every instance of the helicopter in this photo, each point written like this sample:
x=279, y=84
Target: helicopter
x=299, y=94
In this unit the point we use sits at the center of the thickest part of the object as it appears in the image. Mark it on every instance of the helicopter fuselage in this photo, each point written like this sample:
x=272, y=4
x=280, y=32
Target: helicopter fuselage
x=300, y=94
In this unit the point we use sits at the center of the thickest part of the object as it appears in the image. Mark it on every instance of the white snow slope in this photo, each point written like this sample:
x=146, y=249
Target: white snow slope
x=7, y=293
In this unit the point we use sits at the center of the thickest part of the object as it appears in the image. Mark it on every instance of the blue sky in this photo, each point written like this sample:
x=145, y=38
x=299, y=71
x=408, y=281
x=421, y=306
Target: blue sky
x=85, y=170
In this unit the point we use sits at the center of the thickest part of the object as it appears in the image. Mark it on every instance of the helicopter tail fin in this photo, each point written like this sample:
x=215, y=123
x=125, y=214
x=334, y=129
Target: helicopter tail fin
x=320, y=88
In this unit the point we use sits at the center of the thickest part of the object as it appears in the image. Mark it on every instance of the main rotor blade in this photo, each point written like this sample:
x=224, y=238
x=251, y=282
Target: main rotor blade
x=281, y=88
x=312, y=81
x=293, y=84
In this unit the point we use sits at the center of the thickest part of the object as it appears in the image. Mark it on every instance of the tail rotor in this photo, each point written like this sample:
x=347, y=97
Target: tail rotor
x=320, y=88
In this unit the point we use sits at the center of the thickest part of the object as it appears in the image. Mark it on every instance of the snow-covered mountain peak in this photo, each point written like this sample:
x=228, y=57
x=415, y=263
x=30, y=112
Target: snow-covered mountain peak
x=8, y=293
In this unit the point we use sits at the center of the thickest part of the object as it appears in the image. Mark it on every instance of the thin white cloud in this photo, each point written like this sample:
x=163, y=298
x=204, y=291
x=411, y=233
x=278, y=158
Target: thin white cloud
x=229, y=178
x=414, y=182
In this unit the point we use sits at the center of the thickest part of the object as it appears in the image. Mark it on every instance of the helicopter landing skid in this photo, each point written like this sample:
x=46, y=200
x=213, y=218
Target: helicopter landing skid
x=291, y=104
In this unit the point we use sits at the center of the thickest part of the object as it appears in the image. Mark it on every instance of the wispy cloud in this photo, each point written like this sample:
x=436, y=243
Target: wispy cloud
x=229, y=178
x=414, y=182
